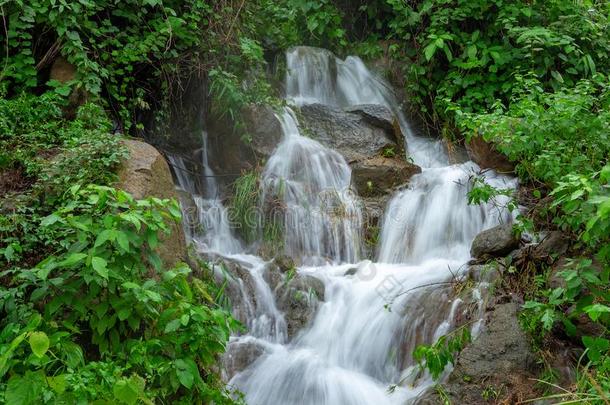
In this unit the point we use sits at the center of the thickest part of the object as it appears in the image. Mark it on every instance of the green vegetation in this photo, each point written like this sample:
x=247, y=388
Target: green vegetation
x=89, y=312
x=437, y=356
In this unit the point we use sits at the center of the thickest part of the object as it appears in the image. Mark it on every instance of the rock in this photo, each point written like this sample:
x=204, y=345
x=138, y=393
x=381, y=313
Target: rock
x=239, y=355
x=379, y=176
x=146, y=174
x=485, y=155
x=375, y=114
x=285, y=263
x=64, y=72
x=554, y=245
x=497, y=241
x=234, y=150
x=263, y=127
x=348, y=133
x=299, y=298
x=500, y=360
x=273, y=276
x=487, y=273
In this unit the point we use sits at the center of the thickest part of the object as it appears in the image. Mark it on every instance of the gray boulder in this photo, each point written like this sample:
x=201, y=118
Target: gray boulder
x=348, y=133
x=498, y=366
x=375, y=114
x=299, y=299
x=495, y=242
x=239, y=355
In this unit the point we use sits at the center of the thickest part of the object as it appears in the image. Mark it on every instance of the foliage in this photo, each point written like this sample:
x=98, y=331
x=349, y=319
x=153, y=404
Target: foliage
x=122, y=50
x=467, y=53
x=106, y=285
x=437, y=356
x=88, y=311
x=245, y=205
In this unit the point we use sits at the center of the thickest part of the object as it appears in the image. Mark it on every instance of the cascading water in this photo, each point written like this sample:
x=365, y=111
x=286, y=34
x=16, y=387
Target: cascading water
x=358, y=348
x=207, y=223
x=321, y=217
x=349, y=353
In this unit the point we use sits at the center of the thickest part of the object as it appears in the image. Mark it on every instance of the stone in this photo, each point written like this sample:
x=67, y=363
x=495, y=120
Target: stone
x=235, y=150
x=378, y=175
x=299, y=299
x=263, y=127
x=486, y=273
x=486, y=155
x=146, y=174
x=500, y=360
x=64, y=72
x=348, y=133
x=375, y=114
x=495, y=242
x=240, y=353
x=553, y=245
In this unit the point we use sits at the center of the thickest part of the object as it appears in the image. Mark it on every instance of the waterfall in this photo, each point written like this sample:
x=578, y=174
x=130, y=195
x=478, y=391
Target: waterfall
x=206, y=221
x=358, y=347
x=321, y=217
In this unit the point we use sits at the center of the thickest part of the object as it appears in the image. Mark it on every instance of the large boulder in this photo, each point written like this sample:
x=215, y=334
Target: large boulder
x=378, y=175
x=499, y=365
x=495, y=242
x=381, y=117
x=486, y=155
x=236, y=149
x=239, y=355
x=349, y=133
x=299, y=299
x=146, y=174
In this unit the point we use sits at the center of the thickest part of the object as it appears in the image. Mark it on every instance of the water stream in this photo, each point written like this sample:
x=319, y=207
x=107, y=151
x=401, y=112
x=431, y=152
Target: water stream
x=358, y=348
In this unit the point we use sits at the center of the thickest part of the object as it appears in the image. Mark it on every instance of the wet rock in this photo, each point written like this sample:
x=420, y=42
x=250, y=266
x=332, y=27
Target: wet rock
x=379, y=176
x=263, y=128
x=234, y=150
x=375, y=114
x=273, y=276
x=285, y=263
x=348, y=133
x=498, y=365
x=239, y=288
x=146, y=174
x=495, y=242
x=299, y=298
x=239, y=355
x=485, y=155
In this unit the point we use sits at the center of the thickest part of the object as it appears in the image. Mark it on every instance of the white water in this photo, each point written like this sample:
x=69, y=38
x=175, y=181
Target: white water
x=358, y=349
x=206, y=223
x=321, y=216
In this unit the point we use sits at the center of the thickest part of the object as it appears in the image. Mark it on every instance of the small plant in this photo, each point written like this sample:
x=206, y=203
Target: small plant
x=388, y=152
x=437, y=356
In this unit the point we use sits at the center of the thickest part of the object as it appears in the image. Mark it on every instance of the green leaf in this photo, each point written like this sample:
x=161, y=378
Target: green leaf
x=596, y=310
x=172, y=326
x=429, y=51
x=73, y=259
x=126, y=392
x=58, y=383
x=25, y=390
x=99, y=265
x=39, y=343
x=187, y=371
